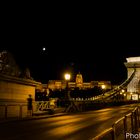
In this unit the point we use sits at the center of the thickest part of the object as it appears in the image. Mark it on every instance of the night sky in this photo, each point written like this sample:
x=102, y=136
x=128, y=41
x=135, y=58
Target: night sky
x=96, y=46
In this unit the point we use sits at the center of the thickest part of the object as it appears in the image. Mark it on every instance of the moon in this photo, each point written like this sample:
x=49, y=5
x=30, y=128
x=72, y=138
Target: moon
x=44, y=49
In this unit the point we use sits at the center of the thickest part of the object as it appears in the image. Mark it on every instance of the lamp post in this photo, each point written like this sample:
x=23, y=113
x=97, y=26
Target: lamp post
x=131, y=95
x=67, y=94
x=71, y=104
x=103, y=87
x=67, y=79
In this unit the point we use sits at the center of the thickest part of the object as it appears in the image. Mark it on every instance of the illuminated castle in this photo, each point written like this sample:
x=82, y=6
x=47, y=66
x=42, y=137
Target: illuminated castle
x=61, y=84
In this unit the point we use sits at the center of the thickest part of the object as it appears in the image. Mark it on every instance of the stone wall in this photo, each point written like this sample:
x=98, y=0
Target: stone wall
x=14, y=93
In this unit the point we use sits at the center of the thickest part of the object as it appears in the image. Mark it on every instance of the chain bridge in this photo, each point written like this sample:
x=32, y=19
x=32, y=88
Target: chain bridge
x=131, y=84
x=129, y=88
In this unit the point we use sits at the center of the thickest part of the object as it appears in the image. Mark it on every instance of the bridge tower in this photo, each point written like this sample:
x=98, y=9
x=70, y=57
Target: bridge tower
x=133, y=87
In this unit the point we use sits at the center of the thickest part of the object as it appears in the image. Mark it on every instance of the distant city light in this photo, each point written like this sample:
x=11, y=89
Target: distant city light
x=123, y=90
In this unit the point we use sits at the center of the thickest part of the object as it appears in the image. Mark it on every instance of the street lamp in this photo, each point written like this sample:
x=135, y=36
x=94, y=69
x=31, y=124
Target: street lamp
x=67, y=78
x=70, y=103
x=103, y=86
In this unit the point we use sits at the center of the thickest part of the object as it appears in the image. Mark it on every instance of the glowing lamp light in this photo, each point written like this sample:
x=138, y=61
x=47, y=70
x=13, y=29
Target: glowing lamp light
x=67, y=76
x=43, y=48
x=123, y=90
x=103, y=86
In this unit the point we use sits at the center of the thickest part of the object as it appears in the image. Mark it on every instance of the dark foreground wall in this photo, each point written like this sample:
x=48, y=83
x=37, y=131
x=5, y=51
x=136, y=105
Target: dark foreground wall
x=14, y=93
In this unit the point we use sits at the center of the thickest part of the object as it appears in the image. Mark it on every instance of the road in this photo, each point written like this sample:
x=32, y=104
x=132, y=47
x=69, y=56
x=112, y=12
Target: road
x=79, y=126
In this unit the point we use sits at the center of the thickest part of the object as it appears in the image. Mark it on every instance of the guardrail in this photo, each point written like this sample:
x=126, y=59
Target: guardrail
x=128, y=124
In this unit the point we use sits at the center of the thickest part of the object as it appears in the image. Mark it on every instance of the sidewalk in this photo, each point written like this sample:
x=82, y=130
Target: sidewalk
x=36, y=115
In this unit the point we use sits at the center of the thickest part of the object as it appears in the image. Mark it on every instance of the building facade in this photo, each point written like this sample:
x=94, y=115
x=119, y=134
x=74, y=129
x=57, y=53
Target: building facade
x=79, y=83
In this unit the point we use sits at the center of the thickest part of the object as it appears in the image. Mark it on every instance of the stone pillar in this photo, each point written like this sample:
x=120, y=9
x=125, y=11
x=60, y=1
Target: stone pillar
x=14, y=93
x=131, y=64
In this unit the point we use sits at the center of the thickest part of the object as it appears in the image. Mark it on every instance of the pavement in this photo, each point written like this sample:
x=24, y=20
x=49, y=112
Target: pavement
x=36, y=115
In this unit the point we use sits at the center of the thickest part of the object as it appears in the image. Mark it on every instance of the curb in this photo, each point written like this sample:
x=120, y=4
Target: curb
x=33, y=118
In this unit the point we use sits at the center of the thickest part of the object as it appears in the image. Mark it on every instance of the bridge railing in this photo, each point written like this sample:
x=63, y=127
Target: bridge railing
x=122, y=128
x=44, y=105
